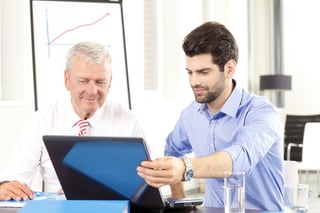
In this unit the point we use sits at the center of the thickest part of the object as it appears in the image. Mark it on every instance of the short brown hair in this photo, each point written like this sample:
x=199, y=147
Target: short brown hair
x=213, y=38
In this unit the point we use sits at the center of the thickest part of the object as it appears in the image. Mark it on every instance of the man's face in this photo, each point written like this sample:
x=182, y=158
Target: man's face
x=88, y=85
x=205, y=78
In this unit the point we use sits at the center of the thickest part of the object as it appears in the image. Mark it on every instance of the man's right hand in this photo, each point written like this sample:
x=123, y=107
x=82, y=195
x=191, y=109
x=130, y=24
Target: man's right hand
x=15, y=190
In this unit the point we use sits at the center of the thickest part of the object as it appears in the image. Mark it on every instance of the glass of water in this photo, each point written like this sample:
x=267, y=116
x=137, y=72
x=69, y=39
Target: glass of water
x=234, y=193
x=295, y=198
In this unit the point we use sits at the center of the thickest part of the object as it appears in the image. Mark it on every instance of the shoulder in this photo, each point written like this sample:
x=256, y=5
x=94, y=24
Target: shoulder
x=58, y=110
x=57, y=106
x=257, y=106
x=116, y=110
x=250, y=98
x=247, y=99
x=115, y=107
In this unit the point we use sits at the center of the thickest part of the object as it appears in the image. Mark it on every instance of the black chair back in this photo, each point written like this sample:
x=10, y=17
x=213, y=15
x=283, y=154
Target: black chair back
x=293, y=135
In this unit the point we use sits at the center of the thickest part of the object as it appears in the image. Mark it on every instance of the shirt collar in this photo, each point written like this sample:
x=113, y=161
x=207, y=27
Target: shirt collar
x=74, y=117
x=98, y=115
x=232, y=104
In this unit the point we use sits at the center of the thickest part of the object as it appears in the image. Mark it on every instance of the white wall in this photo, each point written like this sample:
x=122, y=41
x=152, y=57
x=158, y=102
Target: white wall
x=16, y=74
x=301, y=55
x=300, y=51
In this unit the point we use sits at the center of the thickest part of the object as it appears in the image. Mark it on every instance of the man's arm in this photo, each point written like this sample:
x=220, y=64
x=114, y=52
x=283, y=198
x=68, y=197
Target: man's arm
x=216, y=165
x=177, y=190
x=170, y=170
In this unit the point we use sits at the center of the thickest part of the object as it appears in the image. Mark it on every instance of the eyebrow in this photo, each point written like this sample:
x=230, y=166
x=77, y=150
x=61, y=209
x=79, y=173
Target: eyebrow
x=199, y=70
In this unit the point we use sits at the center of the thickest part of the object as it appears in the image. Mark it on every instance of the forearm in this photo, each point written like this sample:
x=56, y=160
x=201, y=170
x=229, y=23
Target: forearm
x=177, y=190
x=212, y=166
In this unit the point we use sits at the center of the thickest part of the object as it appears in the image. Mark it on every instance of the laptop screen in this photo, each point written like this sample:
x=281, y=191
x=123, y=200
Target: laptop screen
x=102, y=168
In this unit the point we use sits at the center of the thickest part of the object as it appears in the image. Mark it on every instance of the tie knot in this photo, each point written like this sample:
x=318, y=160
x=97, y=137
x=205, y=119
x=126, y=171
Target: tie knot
x=83, y=127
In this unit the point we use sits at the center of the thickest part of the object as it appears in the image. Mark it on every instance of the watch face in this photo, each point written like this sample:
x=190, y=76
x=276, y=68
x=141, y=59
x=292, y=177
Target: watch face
x=189, y=174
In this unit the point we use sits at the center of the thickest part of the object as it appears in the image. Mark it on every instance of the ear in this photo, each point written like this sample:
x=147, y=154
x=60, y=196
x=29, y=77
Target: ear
x=66, y=79
x=230, y=68
x=110, y=81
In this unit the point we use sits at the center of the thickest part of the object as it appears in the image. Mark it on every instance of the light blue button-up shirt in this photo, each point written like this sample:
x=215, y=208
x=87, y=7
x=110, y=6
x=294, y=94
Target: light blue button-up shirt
x=249, y=129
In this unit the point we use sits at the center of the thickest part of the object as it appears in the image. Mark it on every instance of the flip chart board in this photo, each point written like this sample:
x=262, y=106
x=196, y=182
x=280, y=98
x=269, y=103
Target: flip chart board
x=59, y=24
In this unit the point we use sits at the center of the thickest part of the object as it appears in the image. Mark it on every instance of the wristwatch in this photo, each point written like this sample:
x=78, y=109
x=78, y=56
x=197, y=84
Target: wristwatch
x=188, y=173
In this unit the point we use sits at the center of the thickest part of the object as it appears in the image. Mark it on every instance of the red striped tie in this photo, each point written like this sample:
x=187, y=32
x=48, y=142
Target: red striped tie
x=83, y=127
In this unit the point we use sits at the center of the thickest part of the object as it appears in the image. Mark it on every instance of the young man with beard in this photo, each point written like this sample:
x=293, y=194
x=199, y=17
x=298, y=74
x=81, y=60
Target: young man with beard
x=228, y=129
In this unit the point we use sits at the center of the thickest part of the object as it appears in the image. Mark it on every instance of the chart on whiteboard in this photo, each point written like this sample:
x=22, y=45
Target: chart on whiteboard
x=58, y=25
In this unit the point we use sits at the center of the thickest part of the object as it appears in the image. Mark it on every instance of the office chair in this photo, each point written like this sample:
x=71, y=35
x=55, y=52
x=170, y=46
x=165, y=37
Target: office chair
x=293, y=135
x=310, y=152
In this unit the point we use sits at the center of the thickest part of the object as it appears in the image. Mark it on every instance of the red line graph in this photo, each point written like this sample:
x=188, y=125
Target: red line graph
x=77, y=27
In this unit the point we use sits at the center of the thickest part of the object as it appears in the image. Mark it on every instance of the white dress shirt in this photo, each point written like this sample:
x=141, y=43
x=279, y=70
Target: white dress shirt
x=60, y=119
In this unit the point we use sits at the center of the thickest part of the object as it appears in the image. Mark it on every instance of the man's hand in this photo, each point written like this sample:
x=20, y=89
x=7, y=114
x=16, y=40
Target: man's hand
x=60, y=191
x=162, y=171
x=15, y=190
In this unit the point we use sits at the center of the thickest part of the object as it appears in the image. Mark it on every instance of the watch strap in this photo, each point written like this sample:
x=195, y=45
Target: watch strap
x=188, y=173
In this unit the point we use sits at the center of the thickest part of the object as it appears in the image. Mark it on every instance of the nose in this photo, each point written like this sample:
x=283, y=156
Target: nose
x=194, y=80
x=92, y=88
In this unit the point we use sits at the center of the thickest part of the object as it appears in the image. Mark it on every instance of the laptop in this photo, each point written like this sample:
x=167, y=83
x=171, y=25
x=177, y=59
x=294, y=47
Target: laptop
x=104, y=168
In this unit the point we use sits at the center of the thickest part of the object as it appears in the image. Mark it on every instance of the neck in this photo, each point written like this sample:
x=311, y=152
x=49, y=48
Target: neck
x=216, y=105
